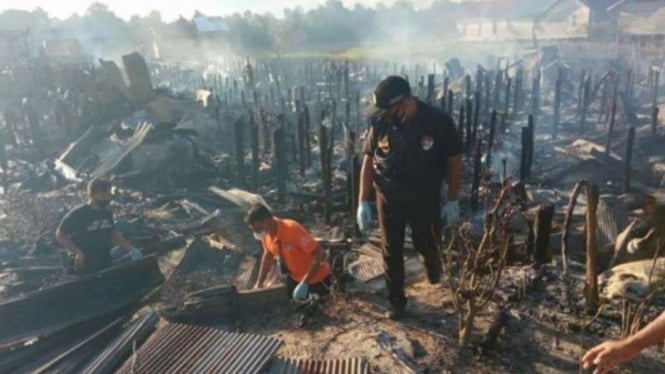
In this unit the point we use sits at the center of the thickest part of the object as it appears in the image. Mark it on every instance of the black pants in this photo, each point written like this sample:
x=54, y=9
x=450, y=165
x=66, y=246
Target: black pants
x=422, y=212
x=322, y=288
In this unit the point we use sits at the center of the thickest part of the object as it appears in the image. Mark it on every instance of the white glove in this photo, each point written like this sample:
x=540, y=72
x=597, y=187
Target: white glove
x=450, y=213
x=364, y=215
x=300, y=292
x=135, y=254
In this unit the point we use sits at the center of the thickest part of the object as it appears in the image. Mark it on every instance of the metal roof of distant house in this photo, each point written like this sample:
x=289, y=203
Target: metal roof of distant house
x=206, y=24
x=640, y=18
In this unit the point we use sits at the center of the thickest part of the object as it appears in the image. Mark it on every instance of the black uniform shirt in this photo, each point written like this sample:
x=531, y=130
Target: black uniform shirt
x=91, y=231
x=412, y=156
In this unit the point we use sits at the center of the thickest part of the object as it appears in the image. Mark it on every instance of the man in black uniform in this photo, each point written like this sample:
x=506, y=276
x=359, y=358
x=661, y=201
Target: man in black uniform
x=88, y=231
x=409, y=149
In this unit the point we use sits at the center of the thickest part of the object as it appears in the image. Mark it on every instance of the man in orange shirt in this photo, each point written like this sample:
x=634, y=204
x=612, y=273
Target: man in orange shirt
x=300, y=259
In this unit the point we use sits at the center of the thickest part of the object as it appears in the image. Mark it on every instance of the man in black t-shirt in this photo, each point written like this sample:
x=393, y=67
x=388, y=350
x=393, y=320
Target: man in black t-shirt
x=410, y=148
x=88, y=231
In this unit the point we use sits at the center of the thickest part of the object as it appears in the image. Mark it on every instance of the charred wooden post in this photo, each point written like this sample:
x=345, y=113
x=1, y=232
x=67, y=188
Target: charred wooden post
x=430, y=89
x=451, y=102
x=613, y=114
x=605, y=97
x=488, y=93
x=444, y=97
x=490, y=143
x=524, y=159
x=467, y=87
x=353, y=177
x=557, y=109
x=477, y=172
x=254, y=129
x=543, y=229
x=325, y=142
x=469, y=125
x=535, y=95
x=498, y=86
x=585, y=103
x=580, y=92
x=281, y=162
x=630, y=80
x=654, y=120
x=239, y=131
x=519, y=88
x=591, y=284
x=302, y=143
x=504, y=173
x=656, y=84
x=568, y=218
x=532, y=144
x=506, y=104
x=460, y=126
x=627, y=158
x=358, y=111
x=504, y=122
x=476, y=113
x=307, y=136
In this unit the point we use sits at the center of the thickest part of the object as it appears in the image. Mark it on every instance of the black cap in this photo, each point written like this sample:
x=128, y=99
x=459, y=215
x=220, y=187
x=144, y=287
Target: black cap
x=387, y=93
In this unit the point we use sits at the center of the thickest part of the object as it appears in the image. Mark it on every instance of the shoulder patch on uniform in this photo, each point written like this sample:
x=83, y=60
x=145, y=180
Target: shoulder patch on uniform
x=426, y=142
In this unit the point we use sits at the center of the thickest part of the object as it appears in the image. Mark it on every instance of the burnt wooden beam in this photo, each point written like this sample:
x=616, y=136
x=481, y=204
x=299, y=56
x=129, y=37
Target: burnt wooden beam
x=543, y=229
x=281, y=160
x=490, y=144
x=591, y=282
x=627, y=159
x=567, y=220
x=654, y=121
x=477, y=173
x=557, y=108
x=239, y=132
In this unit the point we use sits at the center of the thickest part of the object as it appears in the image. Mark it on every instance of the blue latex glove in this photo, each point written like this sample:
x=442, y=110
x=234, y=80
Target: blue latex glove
x=301, y=291
x=135, y=254
x=450, y=213
x=364, y=215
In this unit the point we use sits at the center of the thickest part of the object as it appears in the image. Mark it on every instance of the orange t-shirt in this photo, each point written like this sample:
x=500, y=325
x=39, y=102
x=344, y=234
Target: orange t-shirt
x=297, y=248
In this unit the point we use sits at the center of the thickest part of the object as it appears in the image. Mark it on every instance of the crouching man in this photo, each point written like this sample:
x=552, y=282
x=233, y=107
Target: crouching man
x=88, y=232
x=300, y=261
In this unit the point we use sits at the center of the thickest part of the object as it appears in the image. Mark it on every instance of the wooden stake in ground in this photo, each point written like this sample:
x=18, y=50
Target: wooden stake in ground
x=557, y=108
x=656, y=84
x=627, y=158
x=490, y=143
x=325, y=145
x=254, y=130
x=460, y=126
x=451, y=102
x=281, y=162
x=239, y=131
x=477, y=172
x=543, y=229
x=654, y=120
x=532, y=144
x=469, y=125
x=591, y=283
x=613, y=114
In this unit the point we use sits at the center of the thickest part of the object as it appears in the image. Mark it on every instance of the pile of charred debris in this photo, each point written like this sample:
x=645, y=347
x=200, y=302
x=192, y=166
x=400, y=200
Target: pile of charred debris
x=563, y=161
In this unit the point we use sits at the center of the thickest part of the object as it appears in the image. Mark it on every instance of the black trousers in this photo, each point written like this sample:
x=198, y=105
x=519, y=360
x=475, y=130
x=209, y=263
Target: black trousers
x=422, y=212
x=322, y=288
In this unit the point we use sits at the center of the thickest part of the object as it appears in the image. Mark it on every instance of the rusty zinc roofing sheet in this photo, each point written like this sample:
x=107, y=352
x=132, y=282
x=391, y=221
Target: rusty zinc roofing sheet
x=340, y=366
x=179, y=348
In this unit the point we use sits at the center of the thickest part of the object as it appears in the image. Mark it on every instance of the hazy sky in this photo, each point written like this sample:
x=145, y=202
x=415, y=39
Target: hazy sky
x=171, y=9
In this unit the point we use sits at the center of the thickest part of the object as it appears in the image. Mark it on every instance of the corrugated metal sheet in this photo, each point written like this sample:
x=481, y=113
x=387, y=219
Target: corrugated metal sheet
x=341, y=366
x=366, y=268
x=179, y=348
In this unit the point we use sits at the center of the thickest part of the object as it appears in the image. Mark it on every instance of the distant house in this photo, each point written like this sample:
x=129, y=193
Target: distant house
x=564, y=20
x=499, y=20
x=640, y=21
x=13, y=44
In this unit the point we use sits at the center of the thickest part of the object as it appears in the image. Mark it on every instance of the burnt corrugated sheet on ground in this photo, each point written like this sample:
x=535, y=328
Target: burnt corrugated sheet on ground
x=179, y=348
x=341, y=366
